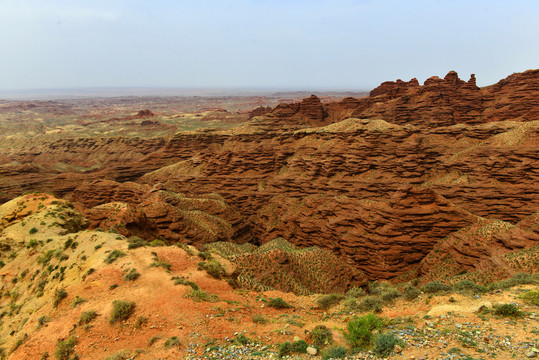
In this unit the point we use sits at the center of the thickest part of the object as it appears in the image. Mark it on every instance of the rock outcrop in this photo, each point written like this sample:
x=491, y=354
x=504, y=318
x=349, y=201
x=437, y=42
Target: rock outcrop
x=152, y=212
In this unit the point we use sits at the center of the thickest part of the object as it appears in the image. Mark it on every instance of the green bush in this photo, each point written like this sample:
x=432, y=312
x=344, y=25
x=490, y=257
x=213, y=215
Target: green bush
x=384, y=344
x=327, y=301
x=201, y=295
x=288, y=348
x=334, y=352
x=507, y=310
x=157, y=242
x=141, y=320
x=242, y=340
x=299, y=346
x=531, y=297
x=172, y=342
x=119, y=355
x=358, y=332
x=278, y=303
x=131, y=275
x=87, y=316
x=355, y=292
x=436, y=287
x=160, y=263
x=78, y=300
x=59, y=295
x=32, y=243
x=42, y=320
x=467, y=286
x=68, y=243
x=321, y=336
x=259, y=319
x=285, y=349
x=135, y=242
x=64, y=349
x=370, y=303
x=113, y=256
x=32, y=231
x=183, y=281
x=205, y=255
x=410, y=292
x=213, y=268
x=121, y=310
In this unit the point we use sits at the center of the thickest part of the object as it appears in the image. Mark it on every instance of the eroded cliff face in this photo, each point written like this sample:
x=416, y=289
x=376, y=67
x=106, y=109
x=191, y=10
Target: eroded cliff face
x=131, y=209
x=380, y=195
x=379, y=180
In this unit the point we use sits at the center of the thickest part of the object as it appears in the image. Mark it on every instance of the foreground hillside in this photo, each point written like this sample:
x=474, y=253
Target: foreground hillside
x=70, y=292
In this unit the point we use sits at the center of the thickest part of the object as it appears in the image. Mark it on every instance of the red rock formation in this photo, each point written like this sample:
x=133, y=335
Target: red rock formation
x=133, y=209
x=488, y=248
x=259, y=111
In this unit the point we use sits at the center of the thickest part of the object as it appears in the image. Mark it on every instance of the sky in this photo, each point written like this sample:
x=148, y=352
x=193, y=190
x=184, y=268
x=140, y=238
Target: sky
x=261, y=44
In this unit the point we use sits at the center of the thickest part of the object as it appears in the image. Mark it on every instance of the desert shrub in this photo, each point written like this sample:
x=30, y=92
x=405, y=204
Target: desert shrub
x=32, y=231
x=285, y=349
x=242, y=340
x=410, y=292
x=205, y=255
x=157, y=242
x=183, y=281
x=121, y=310
x=523, y=279
x=355, y=292
x=436, y=287
x=64, y=349
x=59, y=295
x=42, y=320
x=68, y=243
x=351, y=304
x=507, y=310
x=370, y=303
x=299, y=346
x=288, y=348
x=259, y=319
x=359, y=331
x=531, y=297
x=278, y=303
x=131, y=275
x=467, y=286
x=321, y=336
x=389, y=294
x=384, y=344
x=213, y=268
x=87, y=316
x=135, y=242
x=153, y=340
x=334, y=352
x=327, y=301
x=140, y=321
x=113, y=256
x=78, y=300
x=119, y=355
x=32, y=243
x=160, y=263
x=201, y=295
x=172, y=342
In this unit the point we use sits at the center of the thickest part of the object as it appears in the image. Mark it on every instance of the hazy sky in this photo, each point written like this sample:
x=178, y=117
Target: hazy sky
x=280, y=44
